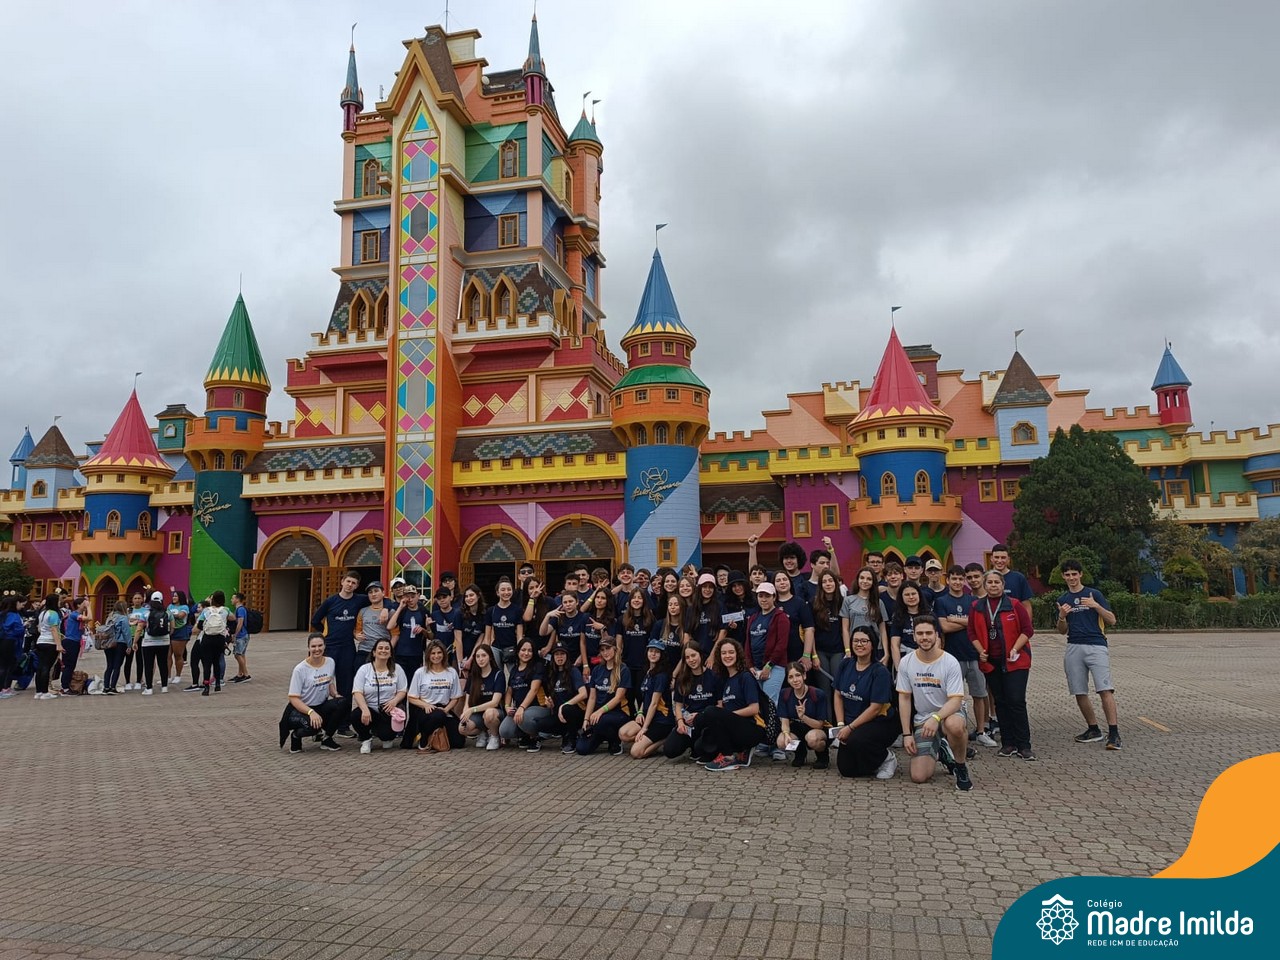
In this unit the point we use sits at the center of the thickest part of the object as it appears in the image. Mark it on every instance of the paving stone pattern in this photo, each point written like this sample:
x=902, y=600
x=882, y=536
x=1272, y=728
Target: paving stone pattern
x=171, y=826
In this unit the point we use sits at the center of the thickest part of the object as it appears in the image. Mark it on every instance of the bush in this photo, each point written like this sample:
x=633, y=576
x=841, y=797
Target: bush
x=1152, y=614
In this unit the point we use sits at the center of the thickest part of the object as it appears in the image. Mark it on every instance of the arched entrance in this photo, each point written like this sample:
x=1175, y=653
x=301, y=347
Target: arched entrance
x=491, y=554
x=363, y=553
x=105, y=593
x=574, y=540
x=294, y=574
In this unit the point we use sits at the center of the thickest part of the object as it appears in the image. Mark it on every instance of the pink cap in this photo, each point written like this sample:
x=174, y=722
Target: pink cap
x=767, y=588
x=706, y=578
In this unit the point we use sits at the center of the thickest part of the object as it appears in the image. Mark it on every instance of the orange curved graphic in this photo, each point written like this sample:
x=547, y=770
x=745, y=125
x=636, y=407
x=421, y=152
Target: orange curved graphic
x=1234, y=829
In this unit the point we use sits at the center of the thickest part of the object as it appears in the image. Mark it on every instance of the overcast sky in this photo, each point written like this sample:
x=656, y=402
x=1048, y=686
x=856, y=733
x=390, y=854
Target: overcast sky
x=1101, y=174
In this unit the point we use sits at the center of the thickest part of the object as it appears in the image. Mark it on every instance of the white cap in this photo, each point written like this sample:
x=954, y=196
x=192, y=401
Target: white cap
x=158, y=596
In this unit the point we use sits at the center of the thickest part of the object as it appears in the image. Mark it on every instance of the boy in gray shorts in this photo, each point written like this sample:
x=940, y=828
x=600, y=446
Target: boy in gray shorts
x=1084, y=615
x=936, y=729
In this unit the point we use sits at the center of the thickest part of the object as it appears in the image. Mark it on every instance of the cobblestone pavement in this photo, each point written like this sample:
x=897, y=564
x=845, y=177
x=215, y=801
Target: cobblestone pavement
x=171, y=826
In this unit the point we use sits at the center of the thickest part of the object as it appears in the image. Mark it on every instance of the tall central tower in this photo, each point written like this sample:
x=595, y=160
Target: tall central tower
x=660, y=415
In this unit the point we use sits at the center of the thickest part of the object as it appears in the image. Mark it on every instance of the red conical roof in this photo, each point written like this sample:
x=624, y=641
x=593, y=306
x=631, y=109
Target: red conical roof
x=897, y=391
x=129, y=444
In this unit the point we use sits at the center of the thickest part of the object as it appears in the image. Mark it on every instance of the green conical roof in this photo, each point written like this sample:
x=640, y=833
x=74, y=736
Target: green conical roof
x=585, y=130
x=238, y=359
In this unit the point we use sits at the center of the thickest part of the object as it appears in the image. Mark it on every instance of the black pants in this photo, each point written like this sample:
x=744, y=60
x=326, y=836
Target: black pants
x=421, y=724
x=344, y=665
x=604, y=731
x=46, y=657
x=332, y=713
x=721, y=731
x=677, y=744
x=379, y=725
x=409, y=664
x=115, y=660
x=569, y=729
x=864, y=751
x=8, y=663
x=209, y=652
x=1009, y=687
x=151, y=656
x=70, y=657
x=130, y=657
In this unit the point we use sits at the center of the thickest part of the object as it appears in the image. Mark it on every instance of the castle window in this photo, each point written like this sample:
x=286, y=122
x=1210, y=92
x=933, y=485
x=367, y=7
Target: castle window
x=219, y=461
x=1175, y=488
x=119, y=478
x=803, y=453
x=1024, y=432
x=922, y=484
x=237, y=461
x=504, y=302
x=369, y=179
x=888, y=485
x=599, y=404
x=39, y=489
x=983, y=443
x=560, y=251
x=25, y=533
x=673, y=394
x=57, y=531
x=986, y=490
x=570, y=460
x=680, y=435
x=475, y=305
x=667, y=551
x=824, y=451
x=644, y=350
x=380, y=320
x=959, y=444
x=175, y=542
x=902, y=433
x=642, y=396
x=642, y=435
x=568, y=189
x=144, y=523
x=924, y=431
x=830, y=516
x=1009, y=489
x=800, y=524
x=879, y=435
x=509, y=230
x=506, y=463
x=753, y=516
x=775, y=516
x=1275, y=486
x=113, y=524
x=42, y=531
x=610, y=458
x=509, y=165
x=660, y=433
x=697, y=397
x=669, y=348
x=170, y=431
x=862, y=486
x=526, y=462
x=237, y=400
x=782, y=454
x=370, y=246
x=589, y=459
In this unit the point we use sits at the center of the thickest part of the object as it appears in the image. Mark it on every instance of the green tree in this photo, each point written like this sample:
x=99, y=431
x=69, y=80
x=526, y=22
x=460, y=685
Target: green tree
x=13, y=576
x=1172, y=539
x=1086, y=491
x=1258, y=548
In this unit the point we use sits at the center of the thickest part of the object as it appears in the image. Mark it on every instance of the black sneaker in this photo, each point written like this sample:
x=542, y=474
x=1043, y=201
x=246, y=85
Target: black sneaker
x=822, y=761
x=235, y=680
x=963, y=783
x=347, y=734
x=534, y=747
x=946, y=757
x=192, y=689
x=1092, y=735
x=797, y=759
x=1007, y=751
x=567, y=748
x=295, y=743
x=615, y=749
x=328, y=743
x=1113, y=741
x=1028, y=755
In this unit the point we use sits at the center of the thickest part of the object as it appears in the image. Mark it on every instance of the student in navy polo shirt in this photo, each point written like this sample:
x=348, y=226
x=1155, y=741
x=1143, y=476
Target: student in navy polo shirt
x=1084, y=615
x=566, y=624
x=864, y=710
x=706, y=618
x=791, y=558
x=653, y=723
x=820, y=561
x=952, y=610
x=694, y=688
x=482, y=709
x=524, y=702
x=734, y=726
x=504, y=627
x=337, y=616
x=446, y=623
x=911, y=606
x=409, y=637
x=737, y=606
x=805, y=717
x=568, y=692
x=913, y=570
x=632, y=630
x=671, y=630
x=622, y=592
x=607, y=707
x=600, y=623
x=472, y=625
x=800, y=615
x=1015, y=584
x=828, y=634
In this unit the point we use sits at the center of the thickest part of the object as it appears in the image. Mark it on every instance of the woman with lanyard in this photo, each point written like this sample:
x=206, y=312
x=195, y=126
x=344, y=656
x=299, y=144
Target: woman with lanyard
x=694, y=688
x=600, y=623
x=379, y=687
x=767, y=634
x=1001, y=629
x=633, y=629
x=607, y=708
x=902, y=625
x=706, y=617
x=523, y=701
x=864, y=607
x=180, y=614
x=48, y=640
x=670, y=630
x=473, y=623
x=864, y=711
x=828, y=636
x=805, y=718
x=653, y=724
x=731, y=728
x=504, y=625
x=568, y=693
x=482, y=710
x=434, y=694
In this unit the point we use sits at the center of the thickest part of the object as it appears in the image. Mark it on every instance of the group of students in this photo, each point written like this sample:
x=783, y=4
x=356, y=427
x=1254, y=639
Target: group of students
x=147, y=642
x=713, y=662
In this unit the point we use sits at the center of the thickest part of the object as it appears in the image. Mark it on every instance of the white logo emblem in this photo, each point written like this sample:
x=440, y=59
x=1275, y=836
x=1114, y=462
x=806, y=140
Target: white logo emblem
x=1057, y=920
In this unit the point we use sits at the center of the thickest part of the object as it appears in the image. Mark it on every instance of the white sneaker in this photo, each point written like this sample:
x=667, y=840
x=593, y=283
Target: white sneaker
x=985, y=740
x=889, y=767
x=147, y=692
x=366, y=747
x=493, y=744
x=164, y=689
x=482, y=740
x=779, y=754
x=897, y=744
x=388, y=744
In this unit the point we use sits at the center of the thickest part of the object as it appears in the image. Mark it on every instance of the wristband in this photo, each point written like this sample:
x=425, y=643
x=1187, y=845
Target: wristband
x=936, y=717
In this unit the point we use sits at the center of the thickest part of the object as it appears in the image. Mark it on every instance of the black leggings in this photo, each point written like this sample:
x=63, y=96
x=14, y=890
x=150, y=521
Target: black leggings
x=677, y=744
x=129, y=658
x=573, y=717
x=603, y=731
x=151, y=656
x=867, y=747
x=1009, y=687
x=379, y=725
x=8, y=663
x=332, y=714
x=721, y=731
x=209, y=651
x=46, y=656
x=423, y=724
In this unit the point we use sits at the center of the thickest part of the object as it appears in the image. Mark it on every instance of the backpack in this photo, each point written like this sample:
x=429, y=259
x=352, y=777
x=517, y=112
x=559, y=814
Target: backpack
x=253, y=620
x=769, y=714
x=158, y=623
x=79, y=682
x=30, y=631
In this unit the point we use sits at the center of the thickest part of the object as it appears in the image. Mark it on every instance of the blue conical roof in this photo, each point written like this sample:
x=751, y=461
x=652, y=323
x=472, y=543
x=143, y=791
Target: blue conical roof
x=533, y=63
x=352, y=93
x=585, y=130
x=658, y=312
x=1170, y=373
x=24, y=448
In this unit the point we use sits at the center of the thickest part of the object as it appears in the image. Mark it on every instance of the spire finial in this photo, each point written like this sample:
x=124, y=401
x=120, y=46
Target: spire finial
x=1016, y=335
x=656, y=228
x=353, y=37
x=593, y=110
x=584, y=102
x=892, y=311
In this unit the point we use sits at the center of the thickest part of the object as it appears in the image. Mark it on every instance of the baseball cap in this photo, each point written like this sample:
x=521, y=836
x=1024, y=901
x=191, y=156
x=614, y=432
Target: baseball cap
x=608, y=642
x=397, y=582
x=767, y=588
x=706, y=578
x=913, y=561
x=933, y=564
x=376, y=585
x=655, y=644
x=737, y=576
x=158, y=596
x=560, y=648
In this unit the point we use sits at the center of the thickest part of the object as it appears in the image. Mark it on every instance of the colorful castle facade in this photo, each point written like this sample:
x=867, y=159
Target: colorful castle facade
x=462, y=410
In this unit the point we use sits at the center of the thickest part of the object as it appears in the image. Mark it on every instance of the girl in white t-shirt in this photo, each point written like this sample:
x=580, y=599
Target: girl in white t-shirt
x=47, y=645
x=379, y=687
x=434, y=694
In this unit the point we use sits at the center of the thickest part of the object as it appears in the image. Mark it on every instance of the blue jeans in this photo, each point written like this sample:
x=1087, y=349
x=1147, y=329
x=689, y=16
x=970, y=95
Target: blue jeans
x=773, y=686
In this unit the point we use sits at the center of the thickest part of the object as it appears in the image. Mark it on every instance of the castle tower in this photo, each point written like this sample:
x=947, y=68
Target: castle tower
x=1021, y=409
x=50, y=467
x=352, y=97
x=900, y=436
x=120, y=536
x=660, y=415
x=19, y=460
x=1172, y=402
x=535, y=72
x=219, y=447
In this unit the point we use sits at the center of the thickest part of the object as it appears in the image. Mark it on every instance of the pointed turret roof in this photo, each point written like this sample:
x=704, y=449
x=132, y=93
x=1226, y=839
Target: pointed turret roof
x=1170, y=373
x=238, y=359
x=658, y=312
x=585, y=130
x=52, y=451
x=352, y=93
x=23, y=449
x=897, y=391
x=1020, y=387
x=533, y=63
x=129, y=444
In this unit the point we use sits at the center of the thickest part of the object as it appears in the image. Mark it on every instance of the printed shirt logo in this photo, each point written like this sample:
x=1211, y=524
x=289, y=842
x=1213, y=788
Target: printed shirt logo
x=1057, y=919
x=654, y=485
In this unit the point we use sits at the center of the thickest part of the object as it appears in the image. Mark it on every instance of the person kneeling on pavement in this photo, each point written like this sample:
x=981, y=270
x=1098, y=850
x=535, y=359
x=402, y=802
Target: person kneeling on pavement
x=314, y=705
